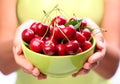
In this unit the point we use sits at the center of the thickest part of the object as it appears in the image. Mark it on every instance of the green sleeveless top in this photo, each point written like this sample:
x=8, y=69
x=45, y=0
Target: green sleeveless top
x=33, y=9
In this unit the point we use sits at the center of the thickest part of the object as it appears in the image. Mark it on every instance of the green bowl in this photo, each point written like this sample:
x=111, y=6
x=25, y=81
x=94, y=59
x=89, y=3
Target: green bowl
x=58, y=66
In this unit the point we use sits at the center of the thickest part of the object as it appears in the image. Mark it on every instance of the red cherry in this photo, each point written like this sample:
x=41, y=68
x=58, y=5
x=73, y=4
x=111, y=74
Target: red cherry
x=79, y=50
x=57, y=32
x=83, y=24
x=74, y=18
x=41, y=29
x=72, y=47
x=86, y=45
x=60, y=20
x=34, y=27
x=86, y=33
x=49, y=48
x=69, y=32
x=27, y=35
x=61, y=49
x=80, y=38
x=49, y=39
x=36, y=45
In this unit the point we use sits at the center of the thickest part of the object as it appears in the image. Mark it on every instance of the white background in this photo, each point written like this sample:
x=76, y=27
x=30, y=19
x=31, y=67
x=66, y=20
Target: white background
x=10, y=79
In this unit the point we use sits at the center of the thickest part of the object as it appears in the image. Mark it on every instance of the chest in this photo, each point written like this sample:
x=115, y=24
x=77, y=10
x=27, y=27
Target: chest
x=33, y=9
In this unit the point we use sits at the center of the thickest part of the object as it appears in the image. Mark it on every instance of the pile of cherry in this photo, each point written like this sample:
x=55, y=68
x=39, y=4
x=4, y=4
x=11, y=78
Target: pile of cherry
x=60, y=37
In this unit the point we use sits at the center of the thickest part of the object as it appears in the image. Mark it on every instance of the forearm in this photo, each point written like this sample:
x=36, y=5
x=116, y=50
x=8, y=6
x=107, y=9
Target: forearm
x=8, y=25
x=109, y=64
x=7, y=62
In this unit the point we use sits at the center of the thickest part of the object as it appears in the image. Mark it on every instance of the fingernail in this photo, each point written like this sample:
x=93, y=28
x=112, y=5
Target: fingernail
x=39, y=77
x=35, y=74
x=44, y=77
x=74, y=75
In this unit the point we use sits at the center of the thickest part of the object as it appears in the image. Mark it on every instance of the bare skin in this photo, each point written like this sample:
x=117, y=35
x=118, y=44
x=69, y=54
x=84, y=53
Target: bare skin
x=8, y=25
x=111, y=24
x=111, y=46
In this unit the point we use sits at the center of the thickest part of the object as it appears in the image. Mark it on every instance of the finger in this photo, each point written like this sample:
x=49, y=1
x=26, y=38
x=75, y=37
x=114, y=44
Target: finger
x=81, y=72
x=75, y=74
x=26, y=71
x=96, y=32
x=89, y=66
x=84, y=71
x=99, y=41
x=24, y=63
x=99, y=44
x=21, y=61
x=97, y=56
x=94, y=65
x=91, y=23
x=42, y=76
x=18, y=50
x=36, y=72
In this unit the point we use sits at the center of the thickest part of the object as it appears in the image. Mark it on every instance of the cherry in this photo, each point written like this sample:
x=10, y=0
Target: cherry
x=57, y=38
x=74, y=18
x=60, y=20
x=86, y=45
x=79, y=50
x=36, y=45
x=80, y=38
x=50, y=39
x=86, y=33
x=49, y=48
x=69, y=32
x=83, y=24
x=61, y=49
x=41, y=29
x=27, y=35
x=34, y=27
x=57, y=32
x=72, y=47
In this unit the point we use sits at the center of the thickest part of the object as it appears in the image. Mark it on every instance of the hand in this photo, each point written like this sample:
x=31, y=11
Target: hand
x=19, y=56
x=93, y=61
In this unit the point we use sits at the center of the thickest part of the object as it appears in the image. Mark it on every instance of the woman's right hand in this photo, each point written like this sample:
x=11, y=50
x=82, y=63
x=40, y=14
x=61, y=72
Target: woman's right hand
x=19, y=56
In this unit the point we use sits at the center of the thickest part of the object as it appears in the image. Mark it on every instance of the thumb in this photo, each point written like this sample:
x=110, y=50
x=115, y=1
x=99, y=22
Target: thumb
x=99, y=44
x=19, y=49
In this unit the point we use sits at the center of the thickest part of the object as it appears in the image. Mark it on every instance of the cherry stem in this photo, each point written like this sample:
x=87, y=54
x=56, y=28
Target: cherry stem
x=62, y=12
x=45, y=33
x=52, y=34
x=91, y=29
x=48, y=14
x=64, y=34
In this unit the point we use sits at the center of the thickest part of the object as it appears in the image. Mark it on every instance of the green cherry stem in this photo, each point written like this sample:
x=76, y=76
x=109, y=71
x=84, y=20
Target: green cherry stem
x=48, y=14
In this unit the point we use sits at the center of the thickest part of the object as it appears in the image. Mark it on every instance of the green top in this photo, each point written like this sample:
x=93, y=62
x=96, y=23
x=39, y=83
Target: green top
x=33, y=9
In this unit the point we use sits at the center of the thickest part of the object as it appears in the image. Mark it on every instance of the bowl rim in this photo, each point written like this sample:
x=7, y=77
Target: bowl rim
x=57, y=56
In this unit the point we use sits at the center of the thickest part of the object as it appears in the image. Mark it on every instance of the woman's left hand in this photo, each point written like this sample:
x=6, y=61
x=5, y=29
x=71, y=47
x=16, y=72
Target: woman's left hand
x=93, y=61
